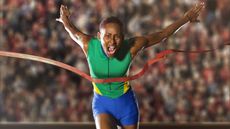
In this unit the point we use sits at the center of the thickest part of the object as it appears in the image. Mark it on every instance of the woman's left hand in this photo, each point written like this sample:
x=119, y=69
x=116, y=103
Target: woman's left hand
x=194, y=12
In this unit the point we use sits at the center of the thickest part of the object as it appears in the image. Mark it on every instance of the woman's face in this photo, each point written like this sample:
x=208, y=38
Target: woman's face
x=111, y=37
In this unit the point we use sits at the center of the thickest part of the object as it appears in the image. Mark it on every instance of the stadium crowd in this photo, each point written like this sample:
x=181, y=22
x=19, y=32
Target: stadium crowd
x=183, y=88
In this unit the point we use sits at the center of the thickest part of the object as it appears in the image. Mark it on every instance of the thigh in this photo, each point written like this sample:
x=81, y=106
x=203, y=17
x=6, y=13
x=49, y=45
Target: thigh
x=105, y=121
x=127, y=110
x=131, y=127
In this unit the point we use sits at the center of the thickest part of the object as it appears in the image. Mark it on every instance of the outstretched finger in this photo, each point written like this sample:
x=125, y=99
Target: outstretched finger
x=57, y=19
x=67, y=11
x=199, y=7
x=66, y=7
x=62, y=6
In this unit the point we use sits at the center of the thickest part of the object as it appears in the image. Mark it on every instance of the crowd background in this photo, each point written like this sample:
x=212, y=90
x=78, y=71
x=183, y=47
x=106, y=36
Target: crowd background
x=183, y=88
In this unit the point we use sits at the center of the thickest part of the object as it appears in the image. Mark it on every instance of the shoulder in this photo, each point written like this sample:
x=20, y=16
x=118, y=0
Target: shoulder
x=93, y=44
x=136, y=44
x=94, y=40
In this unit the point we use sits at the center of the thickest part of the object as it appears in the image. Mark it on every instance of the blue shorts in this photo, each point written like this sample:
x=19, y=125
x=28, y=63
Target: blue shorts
x=124, y=108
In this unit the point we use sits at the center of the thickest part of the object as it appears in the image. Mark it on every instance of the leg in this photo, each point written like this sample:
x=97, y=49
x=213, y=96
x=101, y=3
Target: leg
x=129, y=112
x=131, y=127
x=105, y=121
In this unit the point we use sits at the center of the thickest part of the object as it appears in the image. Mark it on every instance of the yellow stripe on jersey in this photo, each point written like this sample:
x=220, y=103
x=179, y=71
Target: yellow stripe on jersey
x=96, y=89
x=126, y=86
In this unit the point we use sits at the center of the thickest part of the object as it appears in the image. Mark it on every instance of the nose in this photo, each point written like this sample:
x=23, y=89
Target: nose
x=113, y=41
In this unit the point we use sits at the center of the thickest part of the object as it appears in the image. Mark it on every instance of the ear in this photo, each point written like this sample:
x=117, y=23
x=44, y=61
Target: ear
x=99, y=35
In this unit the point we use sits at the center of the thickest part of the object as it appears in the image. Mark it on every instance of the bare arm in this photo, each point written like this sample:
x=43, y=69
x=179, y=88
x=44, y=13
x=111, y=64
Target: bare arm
x=79, y=37
x=157, y=37
x=152, y=39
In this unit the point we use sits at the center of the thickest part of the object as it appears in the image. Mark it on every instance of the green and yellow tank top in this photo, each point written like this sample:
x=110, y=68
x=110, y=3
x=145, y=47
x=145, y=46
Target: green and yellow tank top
x=103, y=67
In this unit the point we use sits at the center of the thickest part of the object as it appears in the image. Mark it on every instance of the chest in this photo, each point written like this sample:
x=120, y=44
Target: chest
x=108, y=68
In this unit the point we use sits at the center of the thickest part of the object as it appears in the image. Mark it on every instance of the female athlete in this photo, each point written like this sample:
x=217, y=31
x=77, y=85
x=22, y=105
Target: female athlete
x=109, y=55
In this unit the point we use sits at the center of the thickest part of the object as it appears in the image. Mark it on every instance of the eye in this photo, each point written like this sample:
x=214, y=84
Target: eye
x=117, y=36
x=107, y=35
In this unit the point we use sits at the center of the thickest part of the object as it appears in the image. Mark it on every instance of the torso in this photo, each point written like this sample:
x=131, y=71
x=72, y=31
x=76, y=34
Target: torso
x=102, y=67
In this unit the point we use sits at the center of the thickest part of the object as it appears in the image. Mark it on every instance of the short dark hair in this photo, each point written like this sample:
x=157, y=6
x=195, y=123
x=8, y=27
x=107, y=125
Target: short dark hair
x=111, y=20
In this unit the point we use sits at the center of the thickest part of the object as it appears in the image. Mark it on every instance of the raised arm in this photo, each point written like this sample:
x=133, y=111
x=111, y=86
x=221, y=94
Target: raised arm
x=152, y=39
x=79, y=37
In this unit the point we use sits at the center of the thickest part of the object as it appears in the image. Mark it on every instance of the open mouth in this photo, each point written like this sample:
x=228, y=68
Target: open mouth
x=111, y=50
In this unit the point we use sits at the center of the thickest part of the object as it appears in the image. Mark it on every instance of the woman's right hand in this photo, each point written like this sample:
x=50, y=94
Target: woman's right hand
x=64, y=14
